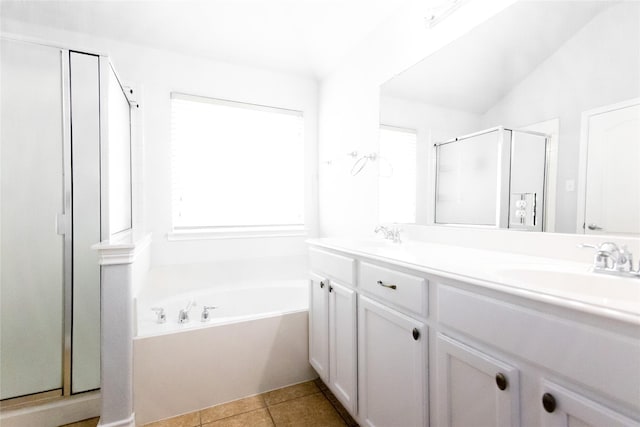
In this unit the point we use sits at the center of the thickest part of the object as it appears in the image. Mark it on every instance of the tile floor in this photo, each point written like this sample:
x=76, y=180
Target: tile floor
x=307, y=404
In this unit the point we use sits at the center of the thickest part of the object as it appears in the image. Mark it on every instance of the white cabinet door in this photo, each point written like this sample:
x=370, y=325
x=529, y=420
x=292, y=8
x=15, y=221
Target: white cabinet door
x=319, y=326
x=561, y=407
x=342, y=344
x=392, y=367
x=474, y=389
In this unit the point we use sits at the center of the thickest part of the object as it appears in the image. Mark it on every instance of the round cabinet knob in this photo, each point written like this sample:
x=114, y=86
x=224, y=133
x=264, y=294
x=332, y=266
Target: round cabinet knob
x=501, y=381
x=549, y=402
x=330, y=288
x=321, y=285
x=416, y=334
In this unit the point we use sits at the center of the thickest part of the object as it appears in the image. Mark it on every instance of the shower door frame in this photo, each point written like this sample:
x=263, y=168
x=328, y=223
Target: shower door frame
x=64, y=221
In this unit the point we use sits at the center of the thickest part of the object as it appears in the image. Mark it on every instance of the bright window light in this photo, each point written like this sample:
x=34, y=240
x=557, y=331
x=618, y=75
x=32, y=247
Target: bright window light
x=235, y=164
x=397, y=175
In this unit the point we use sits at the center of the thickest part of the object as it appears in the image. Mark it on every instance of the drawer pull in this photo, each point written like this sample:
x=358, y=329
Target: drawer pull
x=416, y=334
x=501, y=381
x=549, y=402
x=381, y=283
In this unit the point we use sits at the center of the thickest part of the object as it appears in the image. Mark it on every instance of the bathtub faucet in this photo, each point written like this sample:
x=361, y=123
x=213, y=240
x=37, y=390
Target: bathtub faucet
x=205, y=313
x=183, y=316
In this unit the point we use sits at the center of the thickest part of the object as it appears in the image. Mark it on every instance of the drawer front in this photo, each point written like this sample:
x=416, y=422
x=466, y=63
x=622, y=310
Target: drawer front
x=332, y=265
x=402, y=289
x=597, y=358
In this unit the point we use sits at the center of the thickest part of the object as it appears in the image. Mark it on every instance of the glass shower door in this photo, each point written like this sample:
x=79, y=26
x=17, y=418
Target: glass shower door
x=31, y=204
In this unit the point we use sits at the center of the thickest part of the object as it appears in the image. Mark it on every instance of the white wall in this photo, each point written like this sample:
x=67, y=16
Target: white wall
x=349, y=107
x=584, y=73
x=156, y=74
x=432, y=124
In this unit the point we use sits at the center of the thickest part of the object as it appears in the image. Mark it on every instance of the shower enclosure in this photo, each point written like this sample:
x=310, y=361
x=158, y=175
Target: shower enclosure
x=494, y=178
x=65, y=179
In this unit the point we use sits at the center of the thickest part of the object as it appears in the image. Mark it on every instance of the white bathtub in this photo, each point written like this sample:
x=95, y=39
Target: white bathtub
x=256, y=341
x=233, y=302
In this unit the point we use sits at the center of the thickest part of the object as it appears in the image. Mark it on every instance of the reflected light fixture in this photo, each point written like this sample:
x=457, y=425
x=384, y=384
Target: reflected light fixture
x=441, y=10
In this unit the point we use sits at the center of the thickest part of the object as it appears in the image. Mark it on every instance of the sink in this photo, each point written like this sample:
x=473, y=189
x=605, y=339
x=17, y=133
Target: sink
x=599, y=287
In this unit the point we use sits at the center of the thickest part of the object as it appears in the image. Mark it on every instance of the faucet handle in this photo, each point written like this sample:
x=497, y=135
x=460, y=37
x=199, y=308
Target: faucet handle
x=624, y=262
x=161, y=316
x=205, y=313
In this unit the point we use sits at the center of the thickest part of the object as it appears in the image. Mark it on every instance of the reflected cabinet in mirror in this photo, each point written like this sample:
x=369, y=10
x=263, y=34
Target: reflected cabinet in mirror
x=529, y=121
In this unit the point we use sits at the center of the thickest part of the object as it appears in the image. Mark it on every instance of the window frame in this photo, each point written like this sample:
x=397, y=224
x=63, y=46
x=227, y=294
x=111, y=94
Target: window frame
x=180, y=233
x=406, y=130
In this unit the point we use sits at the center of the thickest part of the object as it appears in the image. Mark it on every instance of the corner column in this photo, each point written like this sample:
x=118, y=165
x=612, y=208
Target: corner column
x=116, y=371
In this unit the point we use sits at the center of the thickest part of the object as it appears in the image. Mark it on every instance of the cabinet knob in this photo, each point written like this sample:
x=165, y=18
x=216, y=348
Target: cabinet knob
x=416, y=334
x=321, y=285
x=501, y=381
x=330, y=288
x=549, y=402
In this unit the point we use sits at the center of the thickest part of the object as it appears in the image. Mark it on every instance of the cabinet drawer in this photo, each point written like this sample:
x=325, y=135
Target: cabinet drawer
x=332, y=265
x=401, y=289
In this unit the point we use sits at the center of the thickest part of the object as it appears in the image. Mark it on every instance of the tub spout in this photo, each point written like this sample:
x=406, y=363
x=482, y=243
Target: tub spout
x=183, y=316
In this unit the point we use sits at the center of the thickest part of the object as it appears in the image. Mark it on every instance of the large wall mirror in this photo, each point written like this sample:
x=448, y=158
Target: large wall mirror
x=530, y=121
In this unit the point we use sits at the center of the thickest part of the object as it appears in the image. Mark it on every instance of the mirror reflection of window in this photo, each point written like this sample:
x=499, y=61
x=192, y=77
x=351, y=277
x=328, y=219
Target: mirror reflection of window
x=397, y=175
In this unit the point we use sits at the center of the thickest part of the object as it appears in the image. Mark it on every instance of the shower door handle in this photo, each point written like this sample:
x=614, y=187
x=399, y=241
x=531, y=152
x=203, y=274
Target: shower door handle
x=61, y=224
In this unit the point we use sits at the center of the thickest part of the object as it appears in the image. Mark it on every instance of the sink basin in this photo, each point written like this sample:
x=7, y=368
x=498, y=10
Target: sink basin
x=599, y=287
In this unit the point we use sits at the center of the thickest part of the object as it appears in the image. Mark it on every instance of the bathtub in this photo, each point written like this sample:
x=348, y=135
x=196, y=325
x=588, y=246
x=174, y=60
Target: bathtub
x=256, y=340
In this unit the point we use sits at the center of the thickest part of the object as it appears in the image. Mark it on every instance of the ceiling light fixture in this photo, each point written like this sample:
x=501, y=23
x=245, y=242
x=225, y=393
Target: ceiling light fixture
x=442, y=10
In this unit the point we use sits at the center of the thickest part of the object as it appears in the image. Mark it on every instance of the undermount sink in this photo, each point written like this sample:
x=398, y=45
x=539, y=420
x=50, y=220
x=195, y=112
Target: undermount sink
x=583, y=283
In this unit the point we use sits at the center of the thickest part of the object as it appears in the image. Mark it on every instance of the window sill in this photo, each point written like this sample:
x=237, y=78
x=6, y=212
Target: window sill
x=237, y=233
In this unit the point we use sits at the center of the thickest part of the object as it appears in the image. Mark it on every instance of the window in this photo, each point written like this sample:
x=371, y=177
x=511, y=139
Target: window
x=397, y=175
x=235, y=165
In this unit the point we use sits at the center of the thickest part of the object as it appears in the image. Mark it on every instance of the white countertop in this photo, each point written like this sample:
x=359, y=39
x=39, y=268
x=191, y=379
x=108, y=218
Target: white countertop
x=569, y=284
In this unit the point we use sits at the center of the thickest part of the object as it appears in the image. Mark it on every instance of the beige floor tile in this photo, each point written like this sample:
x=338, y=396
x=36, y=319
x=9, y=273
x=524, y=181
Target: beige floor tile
x=91, y=422
x=292, y=392
x=257, y=418
x=308, y=411
x=187, y=420
x=232, y=408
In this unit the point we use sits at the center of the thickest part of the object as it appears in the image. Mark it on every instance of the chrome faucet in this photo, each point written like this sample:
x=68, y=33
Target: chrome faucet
x=161, y=316
x=610, y=259
x=205, y=316
x=183, y=316
x=389, y=233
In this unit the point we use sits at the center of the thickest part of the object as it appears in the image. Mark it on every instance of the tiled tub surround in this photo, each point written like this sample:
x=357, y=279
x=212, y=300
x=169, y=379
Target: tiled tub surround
x=482, y=337
x=255, y=341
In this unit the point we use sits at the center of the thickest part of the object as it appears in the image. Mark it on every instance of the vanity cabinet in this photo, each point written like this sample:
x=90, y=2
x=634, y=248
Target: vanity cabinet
x=392, y=366
x=475, y=388
x=319, y=325
x=342, y=344
x=566, y=408
x=597, y=366
x=432, y=349
x=332, y=325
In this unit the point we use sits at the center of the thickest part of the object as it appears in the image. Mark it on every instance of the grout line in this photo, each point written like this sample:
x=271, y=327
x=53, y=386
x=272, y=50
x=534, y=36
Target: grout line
x=271, y=416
